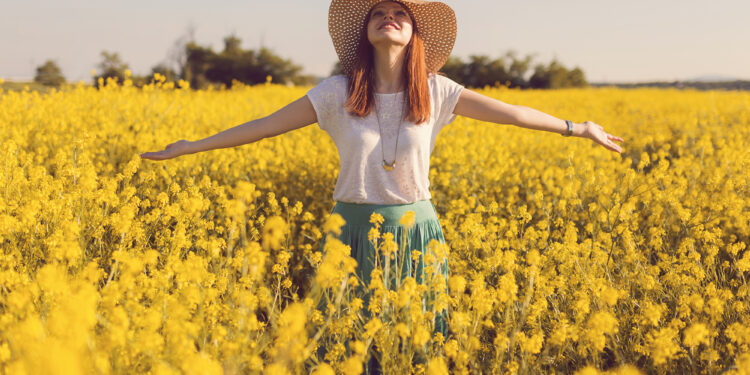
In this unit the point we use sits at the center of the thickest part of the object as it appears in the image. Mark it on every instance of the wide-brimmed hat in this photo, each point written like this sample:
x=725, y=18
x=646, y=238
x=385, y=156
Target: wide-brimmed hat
x=436, y=22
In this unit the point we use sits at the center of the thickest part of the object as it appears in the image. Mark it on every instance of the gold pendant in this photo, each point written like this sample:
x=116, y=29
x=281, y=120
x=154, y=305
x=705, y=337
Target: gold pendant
x=389, y=167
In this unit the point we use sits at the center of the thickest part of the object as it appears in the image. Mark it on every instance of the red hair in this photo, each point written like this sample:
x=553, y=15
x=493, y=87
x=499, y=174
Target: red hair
x=362, y=77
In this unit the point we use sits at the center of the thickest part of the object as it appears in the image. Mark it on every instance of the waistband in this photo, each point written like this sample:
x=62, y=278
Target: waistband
x=359, y=214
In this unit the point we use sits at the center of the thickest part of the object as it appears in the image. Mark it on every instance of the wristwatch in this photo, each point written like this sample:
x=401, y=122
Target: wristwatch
x=569, y=132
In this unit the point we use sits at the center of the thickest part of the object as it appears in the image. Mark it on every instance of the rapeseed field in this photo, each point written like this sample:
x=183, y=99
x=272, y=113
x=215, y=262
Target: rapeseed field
x=564, y=257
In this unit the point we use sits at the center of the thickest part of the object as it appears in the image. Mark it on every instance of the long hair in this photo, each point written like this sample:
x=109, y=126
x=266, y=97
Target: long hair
x=362, y=77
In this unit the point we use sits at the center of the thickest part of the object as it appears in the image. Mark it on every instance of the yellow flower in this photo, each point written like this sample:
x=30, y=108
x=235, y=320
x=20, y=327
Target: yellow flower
x=587, y=370
x=421, y=336
x=352, y=366
x=389, y=244
x=651, y=313
x=334, y=223
x=437, y=366
x=402, y=330
x=376, y=218
x=531, y=344
x=372, y=327
x=600, y=324
x=532, y=257
x=610, y=295
x=276, y=369
x=337, y=264
x=274, y=232
x=662, y=344
x=457, y=285
x=373, y=234
x=407, y=219
x=695, y=335
x=324, y=369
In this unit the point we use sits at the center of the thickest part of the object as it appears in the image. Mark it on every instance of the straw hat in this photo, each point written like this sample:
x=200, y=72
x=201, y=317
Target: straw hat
x=436, y=22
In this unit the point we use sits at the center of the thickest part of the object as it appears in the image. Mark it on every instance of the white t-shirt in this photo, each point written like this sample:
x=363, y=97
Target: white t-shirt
x=362, y=178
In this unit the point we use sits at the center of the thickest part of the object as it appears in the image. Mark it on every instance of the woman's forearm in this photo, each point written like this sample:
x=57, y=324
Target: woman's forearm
x=248, y=132
x=530, y=118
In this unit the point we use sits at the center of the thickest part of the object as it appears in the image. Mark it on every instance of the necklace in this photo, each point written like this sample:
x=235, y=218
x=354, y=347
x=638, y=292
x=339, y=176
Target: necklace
x=389, y=166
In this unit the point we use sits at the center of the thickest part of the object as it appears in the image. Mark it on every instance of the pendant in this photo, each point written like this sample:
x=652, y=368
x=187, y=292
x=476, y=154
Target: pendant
x=389, y=167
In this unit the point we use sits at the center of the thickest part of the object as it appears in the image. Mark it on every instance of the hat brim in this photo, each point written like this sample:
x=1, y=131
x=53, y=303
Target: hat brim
x=436, y=22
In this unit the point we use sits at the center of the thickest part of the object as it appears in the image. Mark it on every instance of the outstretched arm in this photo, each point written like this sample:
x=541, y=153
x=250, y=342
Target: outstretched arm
x=295, y=115
x=480, y=107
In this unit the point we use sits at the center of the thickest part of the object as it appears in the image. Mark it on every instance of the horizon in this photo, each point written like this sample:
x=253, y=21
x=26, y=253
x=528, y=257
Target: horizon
x=643, y=43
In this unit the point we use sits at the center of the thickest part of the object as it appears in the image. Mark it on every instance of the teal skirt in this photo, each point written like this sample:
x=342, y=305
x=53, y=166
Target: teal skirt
x=426, y=228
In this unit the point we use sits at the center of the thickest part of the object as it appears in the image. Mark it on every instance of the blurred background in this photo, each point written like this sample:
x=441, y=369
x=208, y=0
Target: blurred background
x=524, y=44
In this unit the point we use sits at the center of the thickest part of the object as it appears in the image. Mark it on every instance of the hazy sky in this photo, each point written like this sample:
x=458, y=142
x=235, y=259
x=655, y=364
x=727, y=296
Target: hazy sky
x=612, y=41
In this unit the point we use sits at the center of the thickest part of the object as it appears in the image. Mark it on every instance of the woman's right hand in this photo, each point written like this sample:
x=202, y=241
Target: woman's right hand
x=172, y=150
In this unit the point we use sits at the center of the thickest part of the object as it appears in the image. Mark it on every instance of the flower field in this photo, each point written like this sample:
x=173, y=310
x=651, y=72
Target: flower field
x=564, y=257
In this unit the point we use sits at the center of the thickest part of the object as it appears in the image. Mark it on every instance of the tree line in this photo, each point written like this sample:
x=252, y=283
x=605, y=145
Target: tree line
x=202, y=68
x=510, y=71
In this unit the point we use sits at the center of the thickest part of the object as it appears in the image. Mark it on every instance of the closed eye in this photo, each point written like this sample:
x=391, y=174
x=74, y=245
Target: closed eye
x=378, y=13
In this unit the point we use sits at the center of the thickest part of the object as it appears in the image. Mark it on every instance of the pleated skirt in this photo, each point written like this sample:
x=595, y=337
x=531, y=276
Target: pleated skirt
x=425, y=229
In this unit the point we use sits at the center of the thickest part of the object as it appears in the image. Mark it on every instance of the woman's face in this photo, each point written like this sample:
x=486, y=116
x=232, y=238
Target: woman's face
x=389, y=24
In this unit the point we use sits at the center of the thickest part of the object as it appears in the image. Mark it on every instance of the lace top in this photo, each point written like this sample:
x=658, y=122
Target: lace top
x=362, y=178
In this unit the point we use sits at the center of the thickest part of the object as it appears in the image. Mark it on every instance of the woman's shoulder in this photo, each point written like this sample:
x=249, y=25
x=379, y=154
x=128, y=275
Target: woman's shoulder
x=337, y=79
x=331, y=86
x=332, y=83
x=440, y=79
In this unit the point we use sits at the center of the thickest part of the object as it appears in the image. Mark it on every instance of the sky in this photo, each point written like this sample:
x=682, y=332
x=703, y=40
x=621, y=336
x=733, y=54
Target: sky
x=611, y=41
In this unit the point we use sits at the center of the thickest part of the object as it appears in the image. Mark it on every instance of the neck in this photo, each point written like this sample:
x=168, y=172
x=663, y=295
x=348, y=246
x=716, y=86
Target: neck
x=389, y=65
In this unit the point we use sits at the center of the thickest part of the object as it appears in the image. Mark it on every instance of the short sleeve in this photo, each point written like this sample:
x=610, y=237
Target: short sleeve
x=327, y=100
x=448, y=91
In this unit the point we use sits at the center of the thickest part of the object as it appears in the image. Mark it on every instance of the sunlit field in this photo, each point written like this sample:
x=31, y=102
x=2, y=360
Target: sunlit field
x=564, y=257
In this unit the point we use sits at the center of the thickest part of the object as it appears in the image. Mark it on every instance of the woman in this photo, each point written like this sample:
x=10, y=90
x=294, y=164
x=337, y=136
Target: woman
x=384, y=115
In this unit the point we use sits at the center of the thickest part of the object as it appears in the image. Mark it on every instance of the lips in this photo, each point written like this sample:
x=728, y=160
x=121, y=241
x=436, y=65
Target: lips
x=389, y=23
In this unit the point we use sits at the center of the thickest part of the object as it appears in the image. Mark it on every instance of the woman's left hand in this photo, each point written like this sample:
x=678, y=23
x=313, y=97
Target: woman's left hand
x=596, y=133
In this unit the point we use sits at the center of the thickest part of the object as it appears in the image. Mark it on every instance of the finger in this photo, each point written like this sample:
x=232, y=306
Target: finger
x=608, y=144
x=153, y=155
x=616, y=147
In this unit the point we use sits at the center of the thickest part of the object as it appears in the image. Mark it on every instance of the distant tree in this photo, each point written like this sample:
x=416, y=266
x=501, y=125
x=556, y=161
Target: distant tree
x=280, y=69
x=204, y=67
x=166, y=71
x=49, y=74
x=577, y=78
x=169, y=74
x=541, y=77
x=481, y=71
x=111, y=66
x=518, y=69
x=304, y=80
x=232, y=46
x=556, y=76
x=453, y=69
x=197, y=62
x=177, y=54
